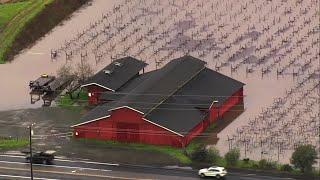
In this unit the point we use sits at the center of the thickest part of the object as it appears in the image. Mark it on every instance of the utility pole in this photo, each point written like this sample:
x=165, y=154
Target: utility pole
x=30, y=147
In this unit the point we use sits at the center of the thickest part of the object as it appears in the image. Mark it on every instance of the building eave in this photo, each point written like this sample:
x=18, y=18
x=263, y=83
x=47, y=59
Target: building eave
x=85, y=85
x=87, y=122
x=163, y=127
x=121, y=107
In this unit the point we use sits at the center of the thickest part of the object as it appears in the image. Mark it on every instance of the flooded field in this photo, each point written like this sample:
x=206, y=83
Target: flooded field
x=33, y=62
x=272, y=46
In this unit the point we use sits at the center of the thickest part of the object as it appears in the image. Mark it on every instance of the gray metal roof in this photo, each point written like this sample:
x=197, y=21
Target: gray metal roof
x=116, y=74
x=162, y=84
x=181, y=113
x=129, y=86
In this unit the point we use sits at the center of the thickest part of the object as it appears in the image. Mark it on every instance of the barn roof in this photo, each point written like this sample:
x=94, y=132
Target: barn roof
x=125, y=89
x=181, y=112
x=161, y=85
x=172, y=96
x=116, y=74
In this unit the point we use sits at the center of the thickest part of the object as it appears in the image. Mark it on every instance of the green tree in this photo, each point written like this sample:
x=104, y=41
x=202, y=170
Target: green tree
x=232, y=157
x=286, y=167
x=304, y=157
x=213, y=155
x=200, y=154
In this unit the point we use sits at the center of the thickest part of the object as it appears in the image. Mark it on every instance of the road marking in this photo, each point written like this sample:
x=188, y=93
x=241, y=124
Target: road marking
x=250, y=174
x=67, y=167
x=23, y=177
x=14, y=153
x=67, y=160
x=14, y=156
x=88, y=162
x=240, y=174
x=73, y=174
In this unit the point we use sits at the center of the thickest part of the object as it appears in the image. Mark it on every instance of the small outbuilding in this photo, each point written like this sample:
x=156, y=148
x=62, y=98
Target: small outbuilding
x=168, y=106
x=112, y=77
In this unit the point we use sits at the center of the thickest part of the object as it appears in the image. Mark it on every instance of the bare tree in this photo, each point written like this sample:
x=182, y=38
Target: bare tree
x=83, y=71
x=65, y=71
x=78, y=75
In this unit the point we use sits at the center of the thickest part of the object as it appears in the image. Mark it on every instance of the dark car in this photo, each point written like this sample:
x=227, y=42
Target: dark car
x=41, y=157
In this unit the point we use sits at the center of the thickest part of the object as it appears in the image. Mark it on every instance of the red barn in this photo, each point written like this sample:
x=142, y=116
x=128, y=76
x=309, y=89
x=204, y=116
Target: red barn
x=169, y=106
x=112, y=77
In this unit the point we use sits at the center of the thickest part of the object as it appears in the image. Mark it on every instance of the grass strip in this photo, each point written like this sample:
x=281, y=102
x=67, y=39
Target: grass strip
x=177, y=153
x=18, y=22
x=12, y=143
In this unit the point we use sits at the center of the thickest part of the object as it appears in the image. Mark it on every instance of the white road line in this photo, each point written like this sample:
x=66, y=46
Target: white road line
x=23, y=177
x=14, y=153
x=67, y=160
x=247, y=176
x=14, y=156
x=67, y=167
x=75, y=174
x=88, y=162
x=250, y=174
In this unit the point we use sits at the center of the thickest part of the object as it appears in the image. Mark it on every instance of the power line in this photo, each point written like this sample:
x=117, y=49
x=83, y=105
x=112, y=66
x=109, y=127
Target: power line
x=158, y=94
x=145, y=102
x=105, y=130
x=129, y=102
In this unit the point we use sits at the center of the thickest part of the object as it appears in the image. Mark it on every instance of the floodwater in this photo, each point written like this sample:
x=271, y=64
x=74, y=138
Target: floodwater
x=31, y=63
x=156, y=31
x=52, y=131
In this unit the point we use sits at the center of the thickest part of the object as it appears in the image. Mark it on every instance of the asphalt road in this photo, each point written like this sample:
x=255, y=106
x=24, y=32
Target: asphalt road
x=15, y=167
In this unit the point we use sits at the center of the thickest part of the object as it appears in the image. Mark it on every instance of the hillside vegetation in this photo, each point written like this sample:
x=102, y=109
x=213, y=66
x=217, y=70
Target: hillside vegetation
x=23, y=22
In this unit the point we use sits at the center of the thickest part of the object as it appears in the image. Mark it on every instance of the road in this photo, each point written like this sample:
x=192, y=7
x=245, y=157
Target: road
x=15, y=167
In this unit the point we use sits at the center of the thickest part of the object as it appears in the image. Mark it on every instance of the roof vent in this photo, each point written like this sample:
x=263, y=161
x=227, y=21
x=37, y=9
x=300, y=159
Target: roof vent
x=117, y=64
x=107, y=72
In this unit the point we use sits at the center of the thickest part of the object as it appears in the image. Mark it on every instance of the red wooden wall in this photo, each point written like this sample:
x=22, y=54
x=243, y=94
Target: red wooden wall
x=127, y=125
x=95, y=93
x=213, y=115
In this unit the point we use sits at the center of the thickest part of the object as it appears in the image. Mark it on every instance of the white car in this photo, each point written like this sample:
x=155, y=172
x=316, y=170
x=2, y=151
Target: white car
x=214, y=171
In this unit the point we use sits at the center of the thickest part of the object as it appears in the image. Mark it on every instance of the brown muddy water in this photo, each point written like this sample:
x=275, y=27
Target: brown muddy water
x=31, y=63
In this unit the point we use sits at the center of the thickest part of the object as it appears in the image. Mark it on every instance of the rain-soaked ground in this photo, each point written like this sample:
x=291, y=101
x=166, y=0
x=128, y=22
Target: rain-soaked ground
x=157, y=31
x=52, y=131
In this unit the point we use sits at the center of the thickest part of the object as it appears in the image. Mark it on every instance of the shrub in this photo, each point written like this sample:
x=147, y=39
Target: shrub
x=286, y=167
x=232, y=157
x=264, y=164
x=200, y=154
x=304, y=157
x=271, y=165
x=246, y=160
x=213, y=155
x=255, y=166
